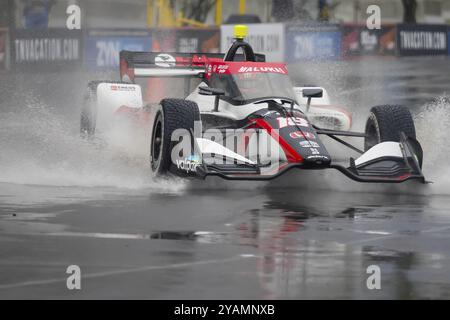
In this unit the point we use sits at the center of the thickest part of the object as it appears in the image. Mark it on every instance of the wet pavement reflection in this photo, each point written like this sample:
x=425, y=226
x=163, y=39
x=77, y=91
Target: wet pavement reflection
x=271, y=246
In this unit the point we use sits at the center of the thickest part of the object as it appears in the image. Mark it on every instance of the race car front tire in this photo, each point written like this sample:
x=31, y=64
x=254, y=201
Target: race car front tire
x=386, y=122
x=171, y=115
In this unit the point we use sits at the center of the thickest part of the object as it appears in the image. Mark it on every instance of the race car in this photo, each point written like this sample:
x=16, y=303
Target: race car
x=246, y=121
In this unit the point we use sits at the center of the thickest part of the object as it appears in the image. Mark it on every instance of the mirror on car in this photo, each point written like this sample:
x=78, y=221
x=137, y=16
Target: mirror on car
x=312, y=93
x=208, y=91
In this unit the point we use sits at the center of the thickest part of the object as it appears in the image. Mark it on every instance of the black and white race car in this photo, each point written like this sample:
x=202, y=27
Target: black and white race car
x=246, y=121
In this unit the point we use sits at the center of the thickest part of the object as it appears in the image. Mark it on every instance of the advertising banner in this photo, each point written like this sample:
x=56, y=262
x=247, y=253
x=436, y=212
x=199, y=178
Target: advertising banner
x=265, y=38
x=3, y=49
x=416, y=40
x=102, y=47
x=448, y=40
x=187, y=40
x=315, y=42
x=46, y=49
x=357, y=40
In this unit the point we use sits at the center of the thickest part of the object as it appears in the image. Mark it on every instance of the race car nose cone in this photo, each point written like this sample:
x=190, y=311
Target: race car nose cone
x=317, y=161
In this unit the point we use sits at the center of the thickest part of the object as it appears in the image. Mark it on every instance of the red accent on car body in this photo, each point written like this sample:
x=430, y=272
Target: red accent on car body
x=237, y=67
x=404, y=177
x=291, y=154
x=195, y=61
x=124, y=70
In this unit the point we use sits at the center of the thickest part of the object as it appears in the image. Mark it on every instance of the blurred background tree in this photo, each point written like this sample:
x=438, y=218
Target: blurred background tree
x=326, y=9
x=282, y=10
x=287, y=10
x=409, y=11
x=300, y=10
x=197, y=10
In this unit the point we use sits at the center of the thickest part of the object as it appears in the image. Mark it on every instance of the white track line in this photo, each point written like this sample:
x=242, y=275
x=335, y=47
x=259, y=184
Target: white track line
x=126, y=271
x=395, y=236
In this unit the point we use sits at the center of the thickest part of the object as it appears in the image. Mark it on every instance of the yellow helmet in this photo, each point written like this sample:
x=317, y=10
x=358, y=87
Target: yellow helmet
x=240, y=31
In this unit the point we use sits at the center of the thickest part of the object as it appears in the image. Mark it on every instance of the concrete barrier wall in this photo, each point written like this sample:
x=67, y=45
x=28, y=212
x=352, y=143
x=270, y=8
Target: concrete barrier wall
x=48, y=49
x=102, y=46
x=357, y=40
x=422, y=40
x=312, y=42
x=4, y=48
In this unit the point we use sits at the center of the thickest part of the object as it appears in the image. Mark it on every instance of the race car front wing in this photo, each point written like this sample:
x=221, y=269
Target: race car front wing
x=387, y=162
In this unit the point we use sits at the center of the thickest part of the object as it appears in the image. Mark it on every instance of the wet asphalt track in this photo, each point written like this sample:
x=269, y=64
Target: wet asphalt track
x=303, y=236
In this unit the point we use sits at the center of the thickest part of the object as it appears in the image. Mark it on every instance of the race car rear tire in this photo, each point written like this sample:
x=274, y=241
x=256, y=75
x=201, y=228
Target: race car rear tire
x=88, y=114
x=87, y=124
x=172, y=114
x=385, y=124
x=88, y=111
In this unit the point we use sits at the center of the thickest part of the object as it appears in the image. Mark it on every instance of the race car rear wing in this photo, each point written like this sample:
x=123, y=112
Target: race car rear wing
x=160, y=64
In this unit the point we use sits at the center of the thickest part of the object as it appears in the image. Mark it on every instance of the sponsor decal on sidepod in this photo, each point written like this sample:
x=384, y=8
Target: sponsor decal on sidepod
x=165, y=60
x=309, y=144
x=292, y=121
x=188, y=164
x=262, y=69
